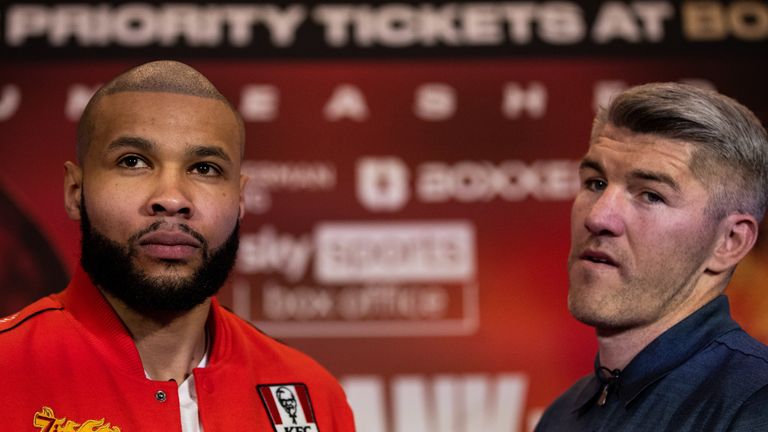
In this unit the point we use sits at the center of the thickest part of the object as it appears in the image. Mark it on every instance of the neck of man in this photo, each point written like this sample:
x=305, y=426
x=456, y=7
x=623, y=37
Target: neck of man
x=617, y=347
x=169, y=345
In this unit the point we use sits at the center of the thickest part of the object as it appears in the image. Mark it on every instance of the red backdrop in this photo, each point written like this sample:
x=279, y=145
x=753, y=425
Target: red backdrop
x=407, y=218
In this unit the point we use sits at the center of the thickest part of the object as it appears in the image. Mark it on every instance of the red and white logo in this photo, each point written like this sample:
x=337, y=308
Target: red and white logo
x=289, y=407
x=382, y=183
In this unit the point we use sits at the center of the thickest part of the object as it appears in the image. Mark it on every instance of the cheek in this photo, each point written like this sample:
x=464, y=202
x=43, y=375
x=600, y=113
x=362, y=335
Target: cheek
x=111, y=210
x=220, y=216
x=579, y=210
x=681, y=244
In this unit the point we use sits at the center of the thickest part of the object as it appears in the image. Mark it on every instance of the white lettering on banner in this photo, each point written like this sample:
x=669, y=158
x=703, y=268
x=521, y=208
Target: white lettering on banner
x=268, y=252
x=354, y=303
x=24, y=21
x=642, y=21
x=135, y=25
x=652, y=15
x=561, y=23
x=517, y=99
x=400, y=25
x=266, y=177
x=282, y=24
x=298, y=302
x=435, y=102
x=362, y=310
x=394, y=301
x=512, y=180
x=347, y=101
x=389, y=26
x=78, y=96
x=519, y=16
x=712, y=21
x=74, y=21
x=481, y=24
x=393, y=25
x=259, y=102
x=366, y=398
x=10, y=99
x=405, y=252
x=615, y=21
x=382, y=183
x=445, y=403
x=370, y=279
x=141, y=24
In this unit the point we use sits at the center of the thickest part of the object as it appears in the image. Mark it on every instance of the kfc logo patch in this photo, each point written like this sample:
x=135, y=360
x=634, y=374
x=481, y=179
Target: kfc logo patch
x=289, y=407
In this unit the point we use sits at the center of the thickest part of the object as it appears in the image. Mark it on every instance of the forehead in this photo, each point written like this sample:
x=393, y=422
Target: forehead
x=620, y=149
x=168, y=119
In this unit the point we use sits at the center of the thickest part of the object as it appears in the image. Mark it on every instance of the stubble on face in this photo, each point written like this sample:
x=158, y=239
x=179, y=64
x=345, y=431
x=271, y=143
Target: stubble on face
x=114, y=268
x=657, y=250
x=635, y=295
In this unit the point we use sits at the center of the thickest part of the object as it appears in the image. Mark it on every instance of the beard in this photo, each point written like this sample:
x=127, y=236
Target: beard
x=112, y=267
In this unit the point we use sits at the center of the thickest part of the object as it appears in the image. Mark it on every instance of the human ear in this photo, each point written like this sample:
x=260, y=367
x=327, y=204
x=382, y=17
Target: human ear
x=73, y=189
x=737, y=235
x=243, y=183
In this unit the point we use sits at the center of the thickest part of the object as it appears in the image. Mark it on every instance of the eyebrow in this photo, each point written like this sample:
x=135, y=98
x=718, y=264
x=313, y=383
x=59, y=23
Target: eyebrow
x=592, y=164
x=208, y=151
x=146, y=145
x=656, y=177
x=635, y=174
x=131, y=141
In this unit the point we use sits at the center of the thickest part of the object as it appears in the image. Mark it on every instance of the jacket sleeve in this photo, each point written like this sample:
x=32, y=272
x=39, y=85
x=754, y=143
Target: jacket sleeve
x=753, y=415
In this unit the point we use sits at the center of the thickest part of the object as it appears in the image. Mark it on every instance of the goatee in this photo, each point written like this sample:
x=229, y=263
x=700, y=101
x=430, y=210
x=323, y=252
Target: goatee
x=112, y=267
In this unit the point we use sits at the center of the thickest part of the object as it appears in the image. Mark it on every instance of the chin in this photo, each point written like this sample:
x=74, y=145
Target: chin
x=160, y=268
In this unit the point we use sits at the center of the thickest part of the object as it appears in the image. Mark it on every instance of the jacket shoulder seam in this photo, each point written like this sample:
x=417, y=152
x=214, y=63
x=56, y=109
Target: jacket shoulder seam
x=43, y=305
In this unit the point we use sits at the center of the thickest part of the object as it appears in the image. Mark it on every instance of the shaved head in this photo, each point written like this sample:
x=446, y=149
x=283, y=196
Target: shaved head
x=163, y=76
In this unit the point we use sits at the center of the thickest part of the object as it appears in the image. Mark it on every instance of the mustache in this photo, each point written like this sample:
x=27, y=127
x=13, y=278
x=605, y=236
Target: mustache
x=164, y=225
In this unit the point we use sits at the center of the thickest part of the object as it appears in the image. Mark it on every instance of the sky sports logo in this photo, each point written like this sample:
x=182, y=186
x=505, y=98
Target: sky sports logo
x=355, y=279
x=402, y=252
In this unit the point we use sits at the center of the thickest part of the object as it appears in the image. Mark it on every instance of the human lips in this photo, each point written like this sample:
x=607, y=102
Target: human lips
x=598, y=257
x=169, y=245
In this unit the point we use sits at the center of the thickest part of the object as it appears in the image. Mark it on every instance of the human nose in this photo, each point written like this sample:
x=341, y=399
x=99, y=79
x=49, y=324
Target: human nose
x=170, y=197
x=605, y=215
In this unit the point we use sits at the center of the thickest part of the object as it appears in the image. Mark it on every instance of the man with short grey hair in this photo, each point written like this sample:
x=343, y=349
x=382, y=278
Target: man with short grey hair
x=673, y=187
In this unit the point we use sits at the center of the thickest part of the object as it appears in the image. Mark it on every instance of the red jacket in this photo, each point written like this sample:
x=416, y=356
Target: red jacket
x=68, y=363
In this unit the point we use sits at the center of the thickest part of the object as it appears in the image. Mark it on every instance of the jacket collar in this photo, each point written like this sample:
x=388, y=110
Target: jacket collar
x=101, y=324
x=665, y=353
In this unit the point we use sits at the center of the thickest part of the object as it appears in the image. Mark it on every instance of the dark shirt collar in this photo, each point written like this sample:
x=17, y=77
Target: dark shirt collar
x=668, y=351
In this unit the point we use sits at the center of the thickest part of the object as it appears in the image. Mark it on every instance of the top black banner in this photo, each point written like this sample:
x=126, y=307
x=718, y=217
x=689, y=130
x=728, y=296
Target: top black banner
x=261, y=30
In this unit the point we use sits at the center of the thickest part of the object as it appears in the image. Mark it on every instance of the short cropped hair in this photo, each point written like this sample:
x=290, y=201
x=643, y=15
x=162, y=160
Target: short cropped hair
x=731, y=145
x=163, y=76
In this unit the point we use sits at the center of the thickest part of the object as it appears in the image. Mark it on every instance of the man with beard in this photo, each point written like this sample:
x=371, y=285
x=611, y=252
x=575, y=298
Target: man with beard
x=137, y=342
x=674, y=185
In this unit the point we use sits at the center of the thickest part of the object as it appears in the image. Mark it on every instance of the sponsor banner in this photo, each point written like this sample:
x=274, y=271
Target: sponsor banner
x=379, y=29
x=355, y=279
x=444, y=402
x=406, y=222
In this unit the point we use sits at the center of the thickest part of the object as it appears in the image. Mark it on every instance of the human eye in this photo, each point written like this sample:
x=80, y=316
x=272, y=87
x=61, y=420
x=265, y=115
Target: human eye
x=652, y=197
x=595, y=184
x=205, y=169
x=132, y=162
